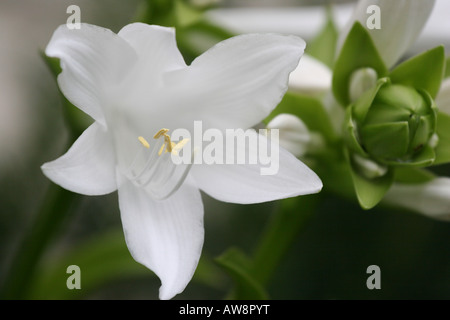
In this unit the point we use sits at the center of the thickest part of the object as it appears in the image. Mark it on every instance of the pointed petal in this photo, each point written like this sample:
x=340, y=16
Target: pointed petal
x=165, y=236
x=401, y=24
x=279, y=176
x=431, y=198
x=311, y=76
x=89, y=165
x=443, y=97
x=93, y=60
x=156, y=47
x=238, y=82
x=157, y=52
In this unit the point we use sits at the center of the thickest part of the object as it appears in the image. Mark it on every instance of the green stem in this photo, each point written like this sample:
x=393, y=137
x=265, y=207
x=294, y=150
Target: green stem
x=283, y=229
x=54, y=212
x=56, y=208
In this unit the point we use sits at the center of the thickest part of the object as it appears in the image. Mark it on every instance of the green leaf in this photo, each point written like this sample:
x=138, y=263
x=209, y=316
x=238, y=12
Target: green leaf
x=424, y=71
x=358, y=51
x=310, y=110
x=238, y=267
x=336, y=177
x=186, y=14
x=447, y=67
x=424, y=158
x=101, y=259
x=413, y=175
x=443, y=131
x=370, y=191
x=52, y=63
x=361, y=107
x=323, y=46
x=160, y=12
x=351, y=134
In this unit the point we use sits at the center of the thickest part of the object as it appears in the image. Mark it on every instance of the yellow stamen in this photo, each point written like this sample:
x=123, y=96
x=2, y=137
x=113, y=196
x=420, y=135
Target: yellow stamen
x=161, y=149
x=161, y=132
x=171, y=146
x=167, y=142
x=177, y=147
x=144, y=142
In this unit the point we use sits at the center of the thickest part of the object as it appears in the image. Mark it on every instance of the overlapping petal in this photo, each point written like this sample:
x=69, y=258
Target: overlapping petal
x=94, y=60
x=166, y=236
x=89, y=166
x=157, y=52
x=238, y=82
x=284, y=176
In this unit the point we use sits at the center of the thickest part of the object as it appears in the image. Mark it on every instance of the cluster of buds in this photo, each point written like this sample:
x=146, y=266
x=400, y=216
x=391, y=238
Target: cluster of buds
x=391, y=125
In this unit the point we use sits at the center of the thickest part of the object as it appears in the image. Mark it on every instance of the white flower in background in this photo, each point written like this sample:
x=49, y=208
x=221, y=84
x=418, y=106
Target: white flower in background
x=294, y=136
x=311, y=76
x=431, y=199
x=135, y=84
x=401, y=24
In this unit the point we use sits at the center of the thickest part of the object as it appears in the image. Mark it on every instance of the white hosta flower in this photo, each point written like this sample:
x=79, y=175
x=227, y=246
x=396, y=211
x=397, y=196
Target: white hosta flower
x=443, y=97
x=294, y=136
x=401, y=24
x=431, y=199
x=311, y=76
x=134, y=84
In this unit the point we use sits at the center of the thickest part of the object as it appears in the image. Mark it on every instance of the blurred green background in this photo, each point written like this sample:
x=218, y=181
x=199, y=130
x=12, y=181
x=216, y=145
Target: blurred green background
x=327, y=260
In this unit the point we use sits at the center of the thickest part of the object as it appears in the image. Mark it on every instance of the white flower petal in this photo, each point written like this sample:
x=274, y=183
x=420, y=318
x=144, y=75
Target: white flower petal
x=157, y=53
x=401, y=24
x=431, y=199
x=89, y=165
x=443, y=97
x=238, y=82
x=311, y=76
x=244, y=183
x=94, y=60
x=165, y=236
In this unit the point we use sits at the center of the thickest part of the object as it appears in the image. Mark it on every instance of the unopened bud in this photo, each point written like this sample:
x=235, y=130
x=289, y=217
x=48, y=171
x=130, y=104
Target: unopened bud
x=294, y=135
x=362, y=80
x=394, y=125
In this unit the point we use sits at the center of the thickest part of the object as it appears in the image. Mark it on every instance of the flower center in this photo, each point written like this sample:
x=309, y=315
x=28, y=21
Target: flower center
x=154, y=169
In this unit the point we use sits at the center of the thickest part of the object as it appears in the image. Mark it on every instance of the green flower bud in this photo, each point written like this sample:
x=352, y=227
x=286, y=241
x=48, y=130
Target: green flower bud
x=393, y=124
